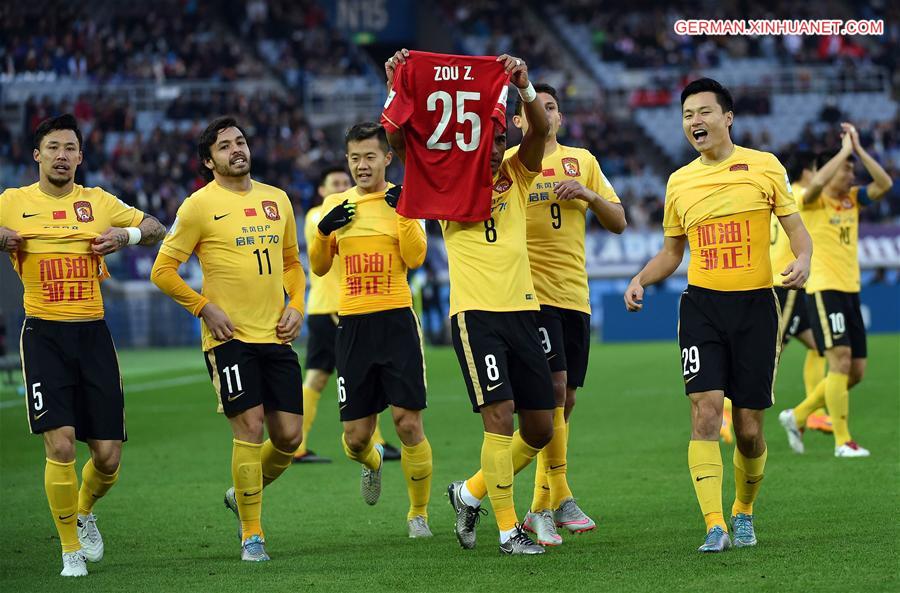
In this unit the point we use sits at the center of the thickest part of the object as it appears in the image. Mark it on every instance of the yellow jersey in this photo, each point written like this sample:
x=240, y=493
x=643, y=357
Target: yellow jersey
x=60, y=274
x=240, y=239
x=779, y=243
x=324, y=291
x=833, y=224
x=556, y=227
x=373, y=253
x=725, y=211
x=488, y=261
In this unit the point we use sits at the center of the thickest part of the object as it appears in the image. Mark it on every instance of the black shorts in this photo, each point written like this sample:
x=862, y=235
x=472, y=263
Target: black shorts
x=566, y=339
x=501, y=358
x=729, y=341
x=794, y=316
x=72, y=378
x=380, y=362
x=320, y=345
x=247, y=375
x=836, y=320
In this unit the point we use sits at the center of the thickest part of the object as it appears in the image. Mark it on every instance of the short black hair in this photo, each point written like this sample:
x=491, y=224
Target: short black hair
x=708, y=85
x=827, y=155
x=364, y=131
x=66, y=121
x=538, y=88
x=208, y=138
x=798, y=161
x=323, y=176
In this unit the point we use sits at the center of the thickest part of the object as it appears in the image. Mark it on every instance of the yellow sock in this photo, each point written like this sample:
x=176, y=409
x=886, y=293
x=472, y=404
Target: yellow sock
x=416, y=464
x=522, y=454
x=748, y=475
x=273, y=462
x=246, y=471
x=812, y=402
x=377, y=438
x=61, y=486
x=310, y=407
x=94, y=485
x=837, y=398
x=541, y=498
x=705, y=461
x=496, y=464
x=555, y=452
x=369, y=456
x=813, y=371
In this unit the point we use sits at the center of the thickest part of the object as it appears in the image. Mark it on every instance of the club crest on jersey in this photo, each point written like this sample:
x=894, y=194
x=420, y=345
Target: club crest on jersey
x=739, y=167
x=571, y=166
x=503, y=184
x=83, y=211
x=271, y=210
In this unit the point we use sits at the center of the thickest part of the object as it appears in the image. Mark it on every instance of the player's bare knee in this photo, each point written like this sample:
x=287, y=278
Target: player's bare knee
x=357, y=439
x=287, y=441
x=60, y=449
x=498, y=417
x=316, y=379
x=857, y=372
x=409, y=428
x=839, y=359
x=107, y=462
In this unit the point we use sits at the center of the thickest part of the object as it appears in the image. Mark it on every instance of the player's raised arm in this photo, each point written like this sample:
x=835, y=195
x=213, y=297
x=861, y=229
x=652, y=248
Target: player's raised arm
x=881, y=181
x=396, y=138
x=531, y=150
x=657, y=269
x=827, y=171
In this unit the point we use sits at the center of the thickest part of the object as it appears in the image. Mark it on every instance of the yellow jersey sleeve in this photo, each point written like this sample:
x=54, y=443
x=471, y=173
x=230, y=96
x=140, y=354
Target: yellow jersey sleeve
x=184, y=234
x=120, y=213
x=783, y=200
x=599, y=184
x=672, y=224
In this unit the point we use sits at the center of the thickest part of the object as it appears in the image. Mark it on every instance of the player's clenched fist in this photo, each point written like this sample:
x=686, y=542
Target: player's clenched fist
x=288, y=327
x=517, y=69
x=634, y=296
x=217, y=322
x=339, y=216
x=9, y=240
x=391, y=64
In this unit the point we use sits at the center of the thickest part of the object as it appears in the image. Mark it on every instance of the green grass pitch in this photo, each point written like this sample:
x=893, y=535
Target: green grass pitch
x=824, y=524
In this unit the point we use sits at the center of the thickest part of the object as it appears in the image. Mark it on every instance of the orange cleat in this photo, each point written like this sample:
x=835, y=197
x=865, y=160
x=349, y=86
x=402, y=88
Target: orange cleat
x=819, y=422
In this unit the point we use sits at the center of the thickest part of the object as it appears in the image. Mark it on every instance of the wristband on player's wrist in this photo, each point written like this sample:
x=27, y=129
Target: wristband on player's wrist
x=134, y=235
x=528, y=94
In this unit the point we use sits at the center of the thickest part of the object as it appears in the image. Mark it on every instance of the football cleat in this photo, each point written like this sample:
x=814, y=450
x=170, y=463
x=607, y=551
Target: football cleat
x=520, y=543
x=74, y=564
x=794, y=434
x=310, y=457
x=744, y=534
x=467, y=517
x=850, y=449
x=418, y=527
x=821, y=422
x=717, y=540
x=370, y=480
x=725, y=431
x=231, y=503
x=542, y=525
x=571, y=517
x=89, y=536
x=391, y=453
x=253, y=549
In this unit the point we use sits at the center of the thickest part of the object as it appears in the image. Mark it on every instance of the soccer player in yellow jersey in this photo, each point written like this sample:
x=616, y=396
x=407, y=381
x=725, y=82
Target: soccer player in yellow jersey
x=794, y=316
x=494, y=331
x=321, y=318
x=56, y=234
x=830, y=210
x=245, y=236
x=379, y=350
x=570, y=183
x=720, y=205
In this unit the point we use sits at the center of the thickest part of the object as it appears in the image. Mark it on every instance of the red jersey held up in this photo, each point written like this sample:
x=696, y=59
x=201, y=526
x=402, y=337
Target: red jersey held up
x=447, y=106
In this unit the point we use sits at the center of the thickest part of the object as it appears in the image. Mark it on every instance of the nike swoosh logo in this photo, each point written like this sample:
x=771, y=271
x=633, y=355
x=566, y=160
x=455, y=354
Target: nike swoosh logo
x=493, y=387
x=41, y=415
x=415, y=479
x=231, y=398
x=220, y=217
x=755, y=482
x=837, y=336
x=344, y=406
x=689, y=379
x=61, y=518
x=252, y=493
x=29, y=215
x=504, y=487
x=551, y=356
x=703, y=477
x=557, y=466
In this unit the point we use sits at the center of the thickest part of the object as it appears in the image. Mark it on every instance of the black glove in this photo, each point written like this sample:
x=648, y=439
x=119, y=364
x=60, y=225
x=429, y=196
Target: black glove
x=392, y=196
x=340, y=216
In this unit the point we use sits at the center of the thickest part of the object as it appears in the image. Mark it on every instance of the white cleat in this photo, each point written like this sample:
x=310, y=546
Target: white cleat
x=794, y=435
x=74, y=564
x=89, y=536
x=850, y=449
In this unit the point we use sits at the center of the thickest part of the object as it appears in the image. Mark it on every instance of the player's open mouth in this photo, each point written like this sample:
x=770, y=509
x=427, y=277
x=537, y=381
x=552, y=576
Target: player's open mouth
x=239, y=161
x=61, y=168
x=364, y=176
x=700, y=135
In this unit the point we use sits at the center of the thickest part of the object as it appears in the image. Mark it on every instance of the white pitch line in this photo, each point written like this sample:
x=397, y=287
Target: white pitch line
x=129, y=389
